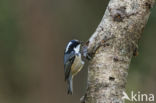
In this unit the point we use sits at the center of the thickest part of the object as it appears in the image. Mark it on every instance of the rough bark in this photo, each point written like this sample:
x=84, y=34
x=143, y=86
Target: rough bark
x=112, y=46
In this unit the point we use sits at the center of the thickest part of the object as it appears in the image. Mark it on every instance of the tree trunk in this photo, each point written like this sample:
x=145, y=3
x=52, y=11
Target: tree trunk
x=112, y=46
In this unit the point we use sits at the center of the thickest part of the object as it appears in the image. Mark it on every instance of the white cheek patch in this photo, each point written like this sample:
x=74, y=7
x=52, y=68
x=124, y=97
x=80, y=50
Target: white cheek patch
x=77, y=49
x=68, y=46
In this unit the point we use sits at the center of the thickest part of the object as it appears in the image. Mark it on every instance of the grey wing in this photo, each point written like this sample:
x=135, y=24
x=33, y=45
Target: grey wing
x=68, y=61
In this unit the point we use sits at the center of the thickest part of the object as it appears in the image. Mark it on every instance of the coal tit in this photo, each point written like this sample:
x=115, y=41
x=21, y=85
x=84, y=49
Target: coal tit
x=73, y=62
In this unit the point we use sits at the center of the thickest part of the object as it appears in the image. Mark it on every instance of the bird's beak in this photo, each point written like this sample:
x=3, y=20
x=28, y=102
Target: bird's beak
x=81, y=42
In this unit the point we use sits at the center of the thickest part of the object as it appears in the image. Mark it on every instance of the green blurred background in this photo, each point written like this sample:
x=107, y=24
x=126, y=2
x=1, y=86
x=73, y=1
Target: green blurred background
x=33, y=35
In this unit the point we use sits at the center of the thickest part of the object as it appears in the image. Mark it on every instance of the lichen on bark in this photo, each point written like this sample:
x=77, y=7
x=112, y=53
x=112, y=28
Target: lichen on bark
x=113, y=44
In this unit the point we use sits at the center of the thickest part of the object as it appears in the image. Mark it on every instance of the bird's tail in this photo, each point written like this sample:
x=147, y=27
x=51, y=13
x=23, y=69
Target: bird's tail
x=70, y=85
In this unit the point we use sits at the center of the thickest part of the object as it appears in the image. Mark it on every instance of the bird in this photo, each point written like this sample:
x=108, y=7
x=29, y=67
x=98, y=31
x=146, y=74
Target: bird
x=73, y=62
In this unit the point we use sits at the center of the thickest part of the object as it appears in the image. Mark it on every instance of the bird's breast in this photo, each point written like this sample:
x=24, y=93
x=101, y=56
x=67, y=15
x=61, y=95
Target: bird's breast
x=77, y=65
